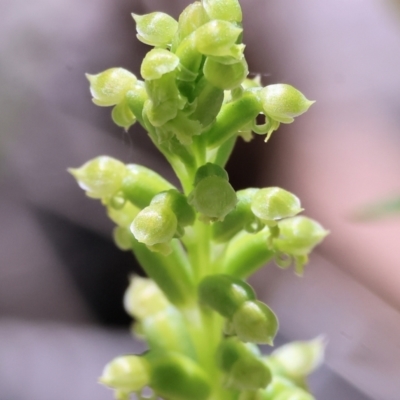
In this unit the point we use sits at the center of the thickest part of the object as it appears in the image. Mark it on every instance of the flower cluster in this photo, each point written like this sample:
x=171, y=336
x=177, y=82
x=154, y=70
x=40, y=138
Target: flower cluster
x=199, y=242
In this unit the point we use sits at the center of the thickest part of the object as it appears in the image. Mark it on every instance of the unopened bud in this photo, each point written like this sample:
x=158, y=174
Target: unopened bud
x=155, y=29
x=273, y=204
x=218, y=38
x=178, y=377
x=228, y=10
x=101, y=177
x=242, y=368
x=154, y=225
x=299, y=359
x=283, y=102
x=224, y=293
x=225, y=76
x=255, y=322
x=157, y=63
x=127, y=373
x=299, y=235
x=109, y=87
x=143, y=298
x=213, y=196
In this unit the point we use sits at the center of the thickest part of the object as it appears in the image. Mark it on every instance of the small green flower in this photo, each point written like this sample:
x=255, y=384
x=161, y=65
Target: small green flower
x=155, y=29
x=242, y=368
x=218, y=38
x=283, y=102
x=101, y=177
x=228, y=10
x=127, y=373
x=212, y=196
x=299, y=235
x=274, y=204
x=225, y=76
x=157, y=63
x=108, y=88
x=224, y=293
x=144, y=298
x=299, y=359
x=154, y=225
x=255, y=322
x=175, y=376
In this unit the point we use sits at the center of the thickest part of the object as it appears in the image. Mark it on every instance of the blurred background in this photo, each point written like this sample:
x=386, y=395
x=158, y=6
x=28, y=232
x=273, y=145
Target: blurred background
x=62, y=279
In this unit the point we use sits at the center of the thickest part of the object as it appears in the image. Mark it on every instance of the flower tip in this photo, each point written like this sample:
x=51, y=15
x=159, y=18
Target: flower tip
x=136, y=17
x=74, y=172
x=89, y=77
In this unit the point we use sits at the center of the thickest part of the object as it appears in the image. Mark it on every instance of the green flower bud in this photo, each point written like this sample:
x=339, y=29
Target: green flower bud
x=243, y=370
x=273, y=204
x=191, y=18
x=157, y=63
x=164, y=99
x=101, y=177
x=225, y=76
x=218, y=38
x=299, y=235
x=228, y=10
x=178, y=203
x=225, y=294
x=167, y=329
x=141, y=184
x=213, y=197
x=208, y=170
x=177, y=377
x=122, y=115
x=143, y=298
x=283, y=102
x=299, y=359
x=155, y=29
x=109, y=87
x=127, y=373
x=255, y=322
x=154, y=225
x=240, y=218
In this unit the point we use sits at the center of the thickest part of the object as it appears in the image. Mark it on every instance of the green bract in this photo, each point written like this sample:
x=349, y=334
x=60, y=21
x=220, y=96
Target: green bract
x=198, y=239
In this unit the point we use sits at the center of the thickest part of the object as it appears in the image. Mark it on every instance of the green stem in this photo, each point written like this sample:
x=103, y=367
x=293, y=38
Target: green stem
x=171, y=273
x=248, y=253
x=232, y=117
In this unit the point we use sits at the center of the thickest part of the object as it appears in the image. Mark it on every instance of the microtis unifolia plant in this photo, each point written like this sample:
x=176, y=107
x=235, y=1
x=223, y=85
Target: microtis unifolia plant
x=199, y=242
